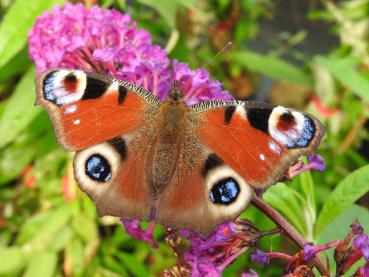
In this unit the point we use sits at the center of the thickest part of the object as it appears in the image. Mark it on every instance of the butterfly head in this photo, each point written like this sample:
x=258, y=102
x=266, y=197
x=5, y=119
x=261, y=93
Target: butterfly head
x=175, y=93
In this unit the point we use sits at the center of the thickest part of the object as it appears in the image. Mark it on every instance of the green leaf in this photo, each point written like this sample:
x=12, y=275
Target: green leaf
x=16, y=65
x=42, y=234
x=75, y=255
x=12, y=260
x=271, y=66
x=133, y=265
x=346, y=193
x=16, y=24
x=20, y=110
x=89, y=231
x=168, y=9
x=42, y=264
x=284, y=199
x=16, y=156
x=345, y=70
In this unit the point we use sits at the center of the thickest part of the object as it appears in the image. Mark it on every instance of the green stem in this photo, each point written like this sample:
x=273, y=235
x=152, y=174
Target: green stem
x=287, y=229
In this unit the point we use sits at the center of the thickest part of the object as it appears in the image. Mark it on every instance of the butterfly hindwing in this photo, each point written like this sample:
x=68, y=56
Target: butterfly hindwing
x=113, y=176
x=204, y=191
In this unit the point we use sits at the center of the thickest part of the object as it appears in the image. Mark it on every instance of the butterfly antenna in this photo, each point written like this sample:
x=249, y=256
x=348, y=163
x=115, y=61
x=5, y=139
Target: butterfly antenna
x=221, y=51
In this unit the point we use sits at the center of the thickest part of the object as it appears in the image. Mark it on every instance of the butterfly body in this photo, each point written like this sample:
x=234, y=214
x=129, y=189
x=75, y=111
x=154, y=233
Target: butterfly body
x=184, y=166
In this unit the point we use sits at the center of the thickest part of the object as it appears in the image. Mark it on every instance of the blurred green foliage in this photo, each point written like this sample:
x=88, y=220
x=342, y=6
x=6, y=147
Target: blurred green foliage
x=49, y=228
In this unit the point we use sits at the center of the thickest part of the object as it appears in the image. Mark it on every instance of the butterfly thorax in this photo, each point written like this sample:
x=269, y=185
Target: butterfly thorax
x=164, y=153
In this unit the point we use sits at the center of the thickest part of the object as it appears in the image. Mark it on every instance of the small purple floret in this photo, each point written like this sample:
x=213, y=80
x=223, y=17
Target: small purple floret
x=260, y=257
x=361, y=242
x=316, y=163
x=134, y=229
x=309, y=251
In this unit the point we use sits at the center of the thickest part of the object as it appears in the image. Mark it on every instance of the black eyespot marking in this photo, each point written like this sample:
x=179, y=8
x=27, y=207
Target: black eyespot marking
x=119, y=145
x=122, y=94
x=95, y=88
x=48, y=87
x=98, y=168
x=70, y=78
x=225, y=191
x=258, y=118
x=70, y=82
x=287, y=117
x=228, y=113
x=211, y=162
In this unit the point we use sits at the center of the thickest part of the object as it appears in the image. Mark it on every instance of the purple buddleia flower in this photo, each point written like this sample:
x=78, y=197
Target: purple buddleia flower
x=108, y=42
x=209, y=256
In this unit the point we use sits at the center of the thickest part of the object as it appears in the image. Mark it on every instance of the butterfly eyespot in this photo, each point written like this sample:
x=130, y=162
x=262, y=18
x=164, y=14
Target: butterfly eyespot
x=98, y=168
x=287, y=118
x=71, y=82
x=225, y=191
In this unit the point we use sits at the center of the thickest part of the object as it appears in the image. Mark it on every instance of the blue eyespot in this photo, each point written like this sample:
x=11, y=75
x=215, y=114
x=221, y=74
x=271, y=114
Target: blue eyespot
x=225, y=191
x=98, y=168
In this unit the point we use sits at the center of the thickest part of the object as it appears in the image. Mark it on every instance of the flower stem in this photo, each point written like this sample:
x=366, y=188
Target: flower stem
x=287, y=229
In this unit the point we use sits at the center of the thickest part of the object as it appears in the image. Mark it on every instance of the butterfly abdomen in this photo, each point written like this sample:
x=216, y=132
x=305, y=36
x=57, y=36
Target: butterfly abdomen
x=164, y=155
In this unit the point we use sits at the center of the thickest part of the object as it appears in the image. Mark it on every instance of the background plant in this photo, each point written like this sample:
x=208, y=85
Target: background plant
x=41, y=209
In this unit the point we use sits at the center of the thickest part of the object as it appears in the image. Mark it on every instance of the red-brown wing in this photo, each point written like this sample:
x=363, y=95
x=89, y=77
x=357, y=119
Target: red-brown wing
x=258, y=141
x=107, y=121
x=113, y=176
x=87, y=109
x=204, y=191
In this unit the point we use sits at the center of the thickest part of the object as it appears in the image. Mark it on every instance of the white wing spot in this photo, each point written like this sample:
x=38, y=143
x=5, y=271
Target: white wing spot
x=274, y=147
x=70, y=109
x=262, y=157
x=76, y=121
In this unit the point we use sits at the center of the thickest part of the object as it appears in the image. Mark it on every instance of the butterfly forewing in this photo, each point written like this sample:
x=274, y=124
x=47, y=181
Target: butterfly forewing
x=88, y=109
x=257, y=140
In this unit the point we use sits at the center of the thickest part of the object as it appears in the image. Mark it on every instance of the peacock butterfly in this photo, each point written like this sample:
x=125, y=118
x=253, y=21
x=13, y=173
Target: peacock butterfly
x=188, y=167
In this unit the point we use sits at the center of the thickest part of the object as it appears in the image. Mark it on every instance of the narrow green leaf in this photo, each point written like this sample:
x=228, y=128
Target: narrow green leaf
x=167, y=9
x=346, y=193
x=12, y=260
x=345, y=70
x=18, y=64
x=89, y=232
x=284, y=199
x=57, y=220
x=20, y=109
x=271, y=66
x=75, y=254
x=133, y=265
x=42, y=264
x=16, y=24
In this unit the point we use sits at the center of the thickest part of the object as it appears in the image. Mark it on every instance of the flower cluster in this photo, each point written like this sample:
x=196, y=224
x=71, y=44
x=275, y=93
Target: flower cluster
x=108, y=42
x=209, y=256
